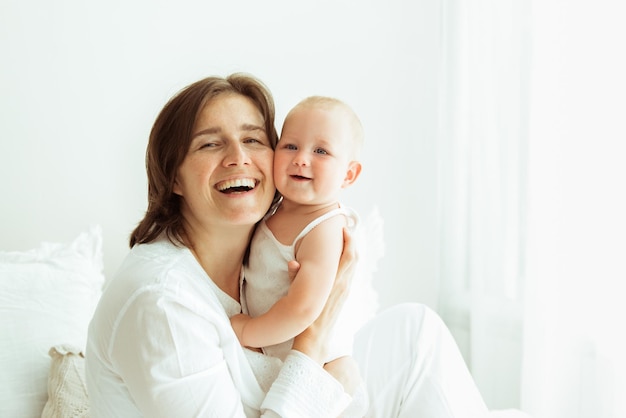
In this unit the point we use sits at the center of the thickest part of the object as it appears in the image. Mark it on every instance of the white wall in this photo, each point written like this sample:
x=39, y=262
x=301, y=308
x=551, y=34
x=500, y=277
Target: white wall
x=81, y=83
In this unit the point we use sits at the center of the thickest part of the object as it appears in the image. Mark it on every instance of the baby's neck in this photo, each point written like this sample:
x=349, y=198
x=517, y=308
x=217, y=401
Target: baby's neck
x=289, y=207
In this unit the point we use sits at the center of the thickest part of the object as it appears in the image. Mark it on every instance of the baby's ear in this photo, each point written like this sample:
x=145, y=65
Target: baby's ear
x=354, y=169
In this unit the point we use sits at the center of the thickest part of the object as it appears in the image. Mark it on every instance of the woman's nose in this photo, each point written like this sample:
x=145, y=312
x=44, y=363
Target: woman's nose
x=236, y=155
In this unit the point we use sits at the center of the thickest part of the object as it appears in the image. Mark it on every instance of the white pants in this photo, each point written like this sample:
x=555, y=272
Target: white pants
x=413, y=368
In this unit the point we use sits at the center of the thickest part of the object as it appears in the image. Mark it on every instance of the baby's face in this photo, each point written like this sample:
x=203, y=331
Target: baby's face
x=313, y=156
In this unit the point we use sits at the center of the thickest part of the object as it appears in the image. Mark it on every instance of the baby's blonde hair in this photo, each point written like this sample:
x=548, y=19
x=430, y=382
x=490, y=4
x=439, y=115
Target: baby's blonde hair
x=330, y=103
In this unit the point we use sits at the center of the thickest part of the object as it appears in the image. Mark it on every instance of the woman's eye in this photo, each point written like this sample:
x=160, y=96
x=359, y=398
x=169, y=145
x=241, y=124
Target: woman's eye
x=259, y=140
x=208, y=145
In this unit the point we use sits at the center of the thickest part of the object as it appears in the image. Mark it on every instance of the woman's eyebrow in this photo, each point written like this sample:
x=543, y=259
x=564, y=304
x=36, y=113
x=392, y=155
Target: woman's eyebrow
x=207, y=131
x=251, y=127
x=248, y=127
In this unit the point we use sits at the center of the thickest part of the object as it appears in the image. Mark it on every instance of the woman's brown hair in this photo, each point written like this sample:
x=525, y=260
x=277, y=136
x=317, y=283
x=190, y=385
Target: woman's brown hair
x=169, y=142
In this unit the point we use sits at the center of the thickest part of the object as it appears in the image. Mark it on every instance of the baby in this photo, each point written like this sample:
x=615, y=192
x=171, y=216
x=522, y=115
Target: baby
x=315, y=159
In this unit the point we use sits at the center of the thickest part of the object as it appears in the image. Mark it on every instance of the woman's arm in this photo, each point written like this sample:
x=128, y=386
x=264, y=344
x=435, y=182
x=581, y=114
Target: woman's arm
x=318, y=254
x=170, y=356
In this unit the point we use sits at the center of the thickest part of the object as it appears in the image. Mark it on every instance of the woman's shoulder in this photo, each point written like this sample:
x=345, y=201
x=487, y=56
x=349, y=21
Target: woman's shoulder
x=156, y=267
x=159, y=258
x=158, y=272
x=160, y=251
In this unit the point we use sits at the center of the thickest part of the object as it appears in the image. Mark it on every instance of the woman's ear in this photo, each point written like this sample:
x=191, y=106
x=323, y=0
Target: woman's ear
x=177, y=189
x=354, y=169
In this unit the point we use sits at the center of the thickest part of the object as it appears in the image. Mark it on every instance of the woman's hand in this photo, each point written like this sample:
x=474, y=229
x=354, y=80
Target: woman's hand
x=346, y=371
x=313, y=341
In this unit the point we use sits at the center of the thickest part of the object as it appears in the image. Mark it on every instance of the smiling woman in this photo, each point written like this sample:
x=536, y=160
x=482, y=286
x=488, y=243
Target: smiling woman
x=160, y=342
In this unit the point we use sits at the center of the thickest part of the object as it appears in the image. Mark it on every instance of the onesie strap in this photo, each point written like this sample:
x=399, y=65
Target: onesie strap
x=350, y=214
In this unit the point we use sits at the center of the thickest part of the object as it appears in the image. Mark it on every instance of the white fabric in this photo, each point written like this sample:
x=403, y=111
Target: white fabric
x=413, y=368
x=161, y=345
x=47, y=296
x=67, y=389
x=192, y=365
x=267, y=280
x=508, y=413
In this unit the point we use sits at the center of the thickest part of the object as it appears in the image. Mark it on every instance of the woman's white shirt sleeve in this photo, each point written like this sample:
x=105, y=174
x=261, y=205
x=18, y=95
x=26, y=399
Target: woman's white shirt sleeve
x=297, y=389
x=171, y=362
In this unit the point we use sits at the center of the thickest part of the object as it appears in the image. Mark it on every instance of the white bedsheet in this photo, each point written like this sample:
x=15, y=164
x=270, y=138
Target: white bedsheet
x=508, y=413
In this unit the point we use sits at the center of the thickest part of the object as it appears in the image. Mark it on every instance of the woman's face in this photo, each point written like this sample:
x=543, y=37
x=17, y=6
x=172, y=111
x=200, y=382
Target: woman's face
x=226, y=177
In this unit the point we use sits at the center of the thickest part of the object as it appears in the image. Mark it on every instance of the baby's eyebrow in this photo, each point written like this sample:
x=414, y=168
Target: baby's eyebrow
x=324, y=143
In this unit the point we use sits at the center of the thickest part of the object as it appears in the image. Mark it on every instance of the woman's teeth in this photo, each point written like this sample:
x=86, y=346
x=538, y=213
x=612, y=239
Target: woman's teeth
x=236, y=185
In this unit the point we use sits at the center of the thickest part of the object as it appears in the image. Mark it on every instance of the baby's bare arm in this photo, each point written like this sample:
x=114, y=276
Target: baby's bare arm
x=318, y=255
x=238, y=322
x=314, y=340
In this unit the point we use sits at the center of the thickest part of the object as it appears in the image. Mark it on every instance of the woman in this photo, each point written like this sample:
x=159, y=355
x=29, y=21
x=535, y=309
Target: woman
x=160, y=342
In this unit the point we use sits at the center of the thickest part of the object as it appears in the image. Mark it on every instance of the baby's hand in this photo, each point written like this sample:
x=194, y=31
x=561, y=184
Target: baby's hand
x=238, y=322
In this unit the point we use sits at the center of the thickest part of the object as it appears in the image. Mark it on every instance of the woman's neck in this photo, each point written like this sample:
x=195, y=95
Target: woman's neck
x=220, y=253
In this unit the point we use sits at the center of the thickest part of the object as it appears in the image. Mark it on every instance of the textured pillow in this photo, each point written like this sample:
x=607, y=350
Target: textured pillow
x=67, y=390
x=47, y=297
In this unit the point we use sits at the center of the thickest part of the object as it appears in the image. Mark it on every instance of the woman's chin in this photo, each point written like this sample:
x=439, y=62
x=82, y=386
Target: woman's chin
x=247, y=215
x=247, y=208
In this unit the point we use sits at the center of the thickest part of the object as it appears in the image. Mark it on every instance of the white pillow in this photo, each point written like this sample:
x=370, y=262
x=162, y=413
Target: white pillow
x=362, y=303
x=47, y=297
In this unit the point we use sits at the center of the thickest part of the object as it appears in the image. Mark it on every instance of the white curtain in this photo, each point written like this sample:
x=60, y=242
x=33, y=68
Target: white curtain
x=575, y=330
x=482, y=149
x=533, y=201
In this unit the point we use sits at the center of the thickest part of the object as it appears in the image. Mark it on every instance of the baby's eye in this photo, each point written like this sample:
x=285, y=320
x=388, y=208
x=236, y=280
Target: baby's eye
x=290, y=147
x=321, y=151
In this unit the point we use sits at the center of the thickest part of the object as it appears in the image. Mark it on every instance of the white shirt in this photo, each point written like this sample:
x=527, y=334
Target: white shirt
x=160, y=344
